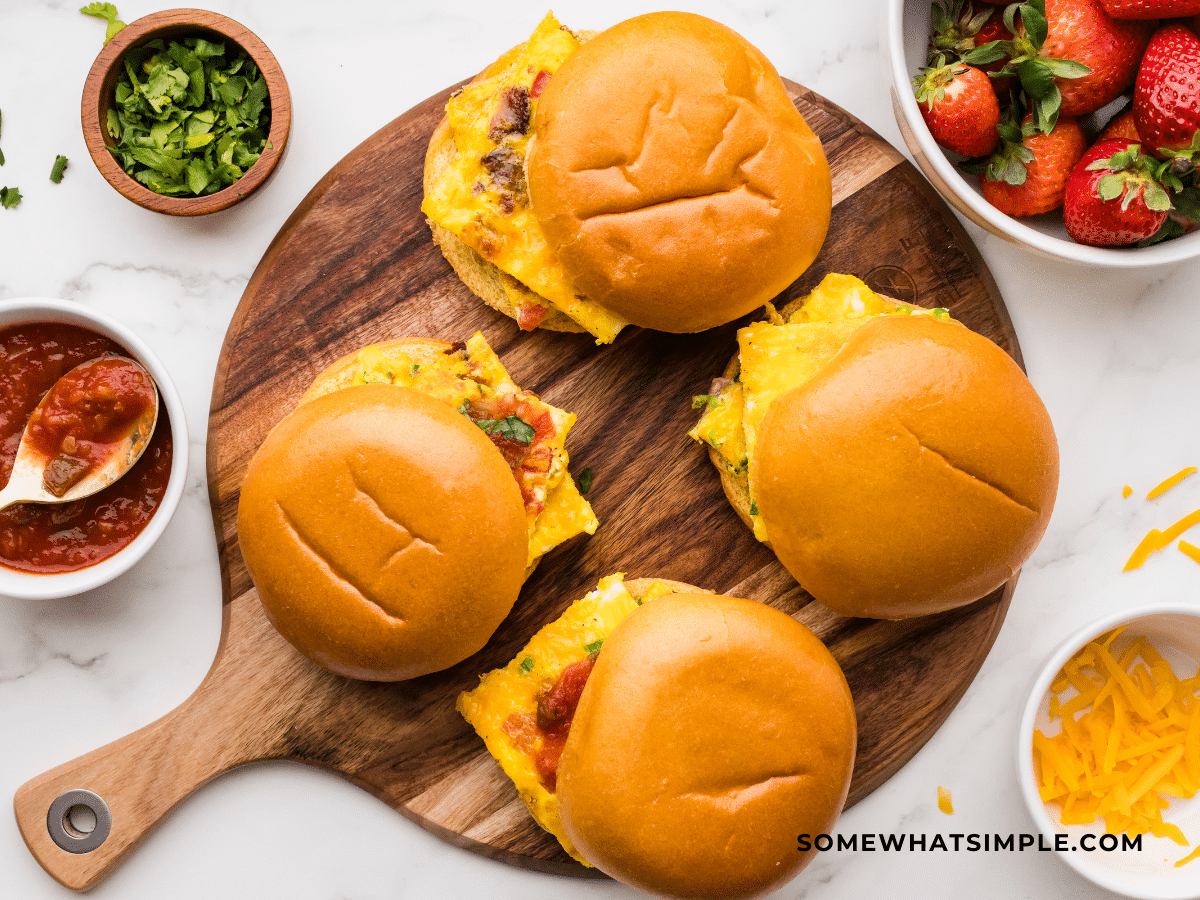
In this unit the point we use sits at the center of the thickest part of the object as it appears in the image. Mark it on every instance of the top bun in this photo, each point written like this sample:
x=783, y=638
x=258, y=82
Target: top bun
x=916, y=472
x=670, y=172
x=384, y=532
x=711, y=732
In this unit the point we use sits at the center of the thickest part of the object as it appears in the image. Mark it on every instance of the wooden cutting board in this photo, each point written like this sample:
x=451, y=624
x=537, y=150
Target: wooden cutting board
x=355, y=264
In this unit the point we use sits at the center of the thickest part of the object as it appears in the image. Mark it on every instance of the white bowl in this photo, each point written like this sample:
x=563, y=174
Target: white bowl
x=62, y=584
x=1174, y=631
x=905, y=41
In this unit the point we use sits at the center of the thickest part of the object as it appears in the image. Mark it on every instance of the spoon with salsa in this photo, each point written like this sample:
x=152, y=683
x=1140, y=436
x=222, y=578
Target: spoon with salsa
x=87, y=432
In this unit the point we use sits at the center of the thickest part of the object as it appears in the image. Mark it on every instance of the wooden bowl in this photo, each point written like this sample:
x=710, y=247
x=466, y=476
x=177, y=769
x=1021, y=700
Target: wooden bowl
x=99, y=92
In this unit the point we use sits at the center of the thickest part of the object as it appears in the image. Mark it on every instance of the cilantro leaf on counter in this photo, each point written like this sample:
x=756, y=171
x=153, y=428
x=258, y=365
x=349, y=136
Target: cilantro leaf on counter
x=189, y=118
x=60, y=166
x=108, y=13
x=9, y=197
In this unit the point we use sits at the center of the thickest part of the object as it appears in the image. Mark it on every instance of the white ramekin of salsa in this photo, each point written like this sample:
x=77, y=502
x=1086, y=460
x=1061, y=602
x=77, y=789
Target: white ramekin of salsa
x=60, y=550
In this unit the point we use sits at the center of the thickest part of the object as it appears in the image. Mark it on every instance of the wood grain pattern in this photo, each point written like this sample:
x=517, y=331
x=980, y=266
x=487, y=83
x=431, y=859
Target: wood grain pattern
x=100, y=86
x=355, y=264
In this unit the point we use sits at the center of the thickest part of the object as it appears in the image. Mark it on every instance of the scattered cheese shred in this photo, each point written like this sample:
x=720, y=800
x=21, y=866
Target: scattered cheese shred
x=944, y=803
x=1127, y=491
x=1190, y=549
x=1156, y=540
x=1171, y=482
x=1130, y=738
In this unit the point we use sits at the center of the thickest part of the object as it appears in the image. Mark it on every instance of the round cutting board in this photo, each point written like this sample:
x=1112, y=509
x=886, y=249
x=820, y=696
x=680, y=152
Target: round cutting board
x=355, y=264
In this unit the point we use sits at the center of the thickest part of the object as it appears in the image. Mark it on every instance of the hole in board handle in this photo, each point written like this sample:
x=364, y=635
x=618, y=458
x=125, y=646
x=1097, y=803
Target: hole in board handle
x=78, y=821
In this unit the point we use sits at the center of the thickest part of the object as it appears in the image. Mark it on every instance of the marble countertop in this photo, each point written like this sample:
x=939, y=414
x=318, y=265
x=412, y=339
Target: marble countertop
x=1114, y=354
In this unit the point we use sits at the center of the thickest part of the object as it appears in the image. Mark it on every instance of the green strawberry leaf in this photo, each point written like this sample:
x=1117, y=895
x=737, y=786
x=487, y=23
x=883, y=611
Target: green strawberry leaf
x=1111, y=186
x=1170, y=229
x=1066, y=68
x=1033, y=20
x=1155, y=198
x=991, y=52
x=1187, y=203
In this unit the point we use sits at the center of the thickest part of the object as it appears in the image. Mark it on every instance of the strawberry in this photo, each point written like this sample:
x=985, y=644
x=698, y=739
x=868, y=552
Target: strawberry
x=1082, y=31
x=1166, y=97
x=958, y=28
x=1122, y=126
x=1029, y=176
x=959, y=105
x=1112, y=197
x=1150, y=9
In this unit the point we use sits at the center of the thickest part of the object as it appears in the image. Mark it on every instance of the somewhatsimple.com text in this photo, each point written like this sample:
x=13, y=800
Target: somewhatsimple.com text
x=970, y=843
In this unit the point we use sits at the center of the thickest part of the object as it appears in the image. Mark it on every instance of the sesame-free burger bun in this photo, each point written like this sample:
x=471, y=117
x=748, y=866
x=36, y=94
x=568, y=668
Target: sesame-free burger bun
x=672, y=175
x=711, y=732
x=384, y=532
x=916, y=472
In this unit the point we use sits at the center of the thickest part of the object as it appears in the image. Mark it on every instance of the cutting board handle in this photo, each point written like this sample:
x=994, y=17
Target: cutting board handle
x=132, y=783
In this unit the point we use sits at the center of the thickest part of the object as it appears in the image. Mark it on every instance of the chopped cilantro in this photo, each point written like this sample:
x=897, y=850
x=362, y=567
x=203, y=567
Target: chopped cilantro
x=585, y=481
x=108, y=13
x=527, y=664
x=941, y=313
x=9, y=197
x=60, y=166
x=754, y=508
x=189, y=117
x=416, y=367
x=709, y=400
x=594, y=645
x=512, y=427
x=464, y=408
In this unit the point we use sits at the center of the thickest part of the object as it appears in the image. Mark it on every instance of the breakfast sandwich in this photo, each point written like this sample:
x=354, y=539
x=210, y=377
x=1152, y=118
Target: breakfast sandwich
x=654, y=174
x=469, y=377
x=897, y=462
x=390, y=520
x=675, y=739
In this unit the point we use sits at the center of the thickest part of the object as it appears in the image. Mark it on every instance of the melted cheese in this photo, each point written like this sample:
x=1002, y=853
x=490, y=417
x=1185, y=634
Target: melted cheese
x=555, y=508
x=512, y=692
x=489, y=216
x=775, y=356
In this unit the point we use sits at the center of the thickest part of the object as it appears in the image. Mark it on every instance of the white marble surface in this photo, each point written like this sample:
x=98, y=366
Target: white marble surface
x=1115, y=355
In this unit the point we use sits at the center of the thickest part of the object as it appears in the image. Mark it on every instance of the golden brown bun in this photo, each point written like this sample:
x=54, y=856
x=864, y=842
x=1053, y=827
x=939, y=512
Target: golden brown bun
x=483, y=278
x=340, y=373
x=384, y=532
x=734, y=485
x=915, y=473
x=711, y=732
x=672, y=175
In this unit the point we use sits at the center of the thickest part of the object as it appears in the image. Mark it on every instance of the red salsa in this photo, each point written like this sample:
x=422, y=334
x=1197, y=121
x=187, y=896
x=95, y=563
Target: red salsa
x=555, y=712
x=63, y=537
x=86, y=416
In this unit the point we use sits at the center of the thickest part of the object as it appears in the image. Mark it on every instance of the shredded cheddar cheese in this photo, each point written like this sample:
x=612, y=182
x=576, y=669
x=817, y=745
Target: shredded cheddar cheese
x=1157, y=540
x=1171, y=482
x=1130, y=739
x=1191, y=550
x=1127, y=491
x=944, y=802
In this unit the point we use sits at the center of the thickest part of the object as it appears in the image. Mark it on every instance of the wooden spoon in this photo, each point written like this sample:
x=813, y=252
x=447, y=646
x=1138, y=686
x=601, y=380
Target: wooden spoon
x=82, y=437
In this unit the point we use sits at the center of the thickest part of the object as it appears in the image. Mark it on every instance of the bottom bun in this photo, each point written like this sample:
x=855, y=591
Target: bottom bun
x=711, y=732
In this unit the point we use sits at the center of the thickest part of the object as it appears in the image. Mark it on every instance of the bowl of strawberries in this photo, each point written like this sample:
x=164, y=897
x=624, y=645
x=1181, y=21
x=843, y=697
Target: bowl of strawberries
x=1071, y=127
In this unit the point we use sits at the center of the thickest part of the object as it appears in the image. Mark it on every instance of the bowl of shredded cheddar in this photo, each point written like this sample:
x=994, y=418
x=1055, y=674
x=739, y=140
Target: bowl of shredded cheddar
x=1108, y=753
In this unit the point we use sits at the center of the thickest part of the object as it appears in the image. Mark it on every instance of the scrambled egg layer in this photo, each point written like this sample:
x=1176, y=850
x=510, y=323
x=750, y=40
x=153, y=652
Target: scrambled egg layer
x=482, y=197
x=777, y=355
x=505, y=703
x=474, y=381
